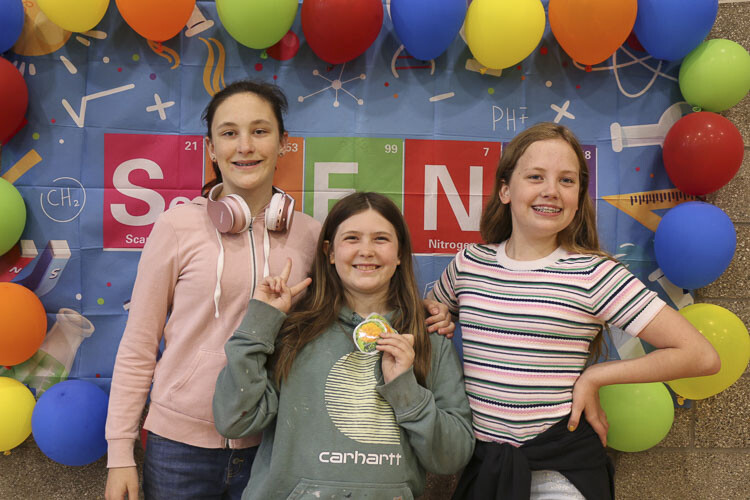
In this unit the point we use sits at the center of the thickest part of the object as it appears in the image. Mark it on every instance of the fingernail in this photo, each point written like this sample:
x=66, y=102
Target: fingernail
x=571, y=428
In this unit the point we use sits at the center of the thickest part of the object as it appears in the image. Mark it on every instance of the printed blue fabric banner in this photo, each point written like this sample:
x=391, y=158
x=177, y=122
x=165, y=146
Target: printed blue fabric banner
x=114, y=138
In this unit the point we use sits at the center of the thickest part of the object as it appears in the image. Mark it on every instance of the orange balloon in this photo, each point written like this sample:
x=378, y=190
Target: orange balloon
x=591, y=30
x=156, y=20
x=23, y=324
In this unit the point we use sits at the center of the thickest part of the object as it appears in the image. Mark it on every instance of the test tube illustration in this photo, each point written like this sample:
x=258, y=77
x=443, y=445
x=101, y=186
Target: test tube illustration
x=197, y=23
x=679, y=296
x=54, y=359
x=627, y=346
x=634, y=136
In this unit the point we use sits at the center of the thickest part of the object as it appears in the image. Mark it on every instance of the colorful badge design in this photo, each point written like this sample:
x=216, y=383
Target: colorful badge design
x=366, y=333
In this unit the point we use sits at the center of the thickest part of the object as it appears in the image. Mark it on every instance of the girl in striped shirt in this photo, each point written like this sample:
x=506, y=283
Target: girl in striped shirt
x=533, y=302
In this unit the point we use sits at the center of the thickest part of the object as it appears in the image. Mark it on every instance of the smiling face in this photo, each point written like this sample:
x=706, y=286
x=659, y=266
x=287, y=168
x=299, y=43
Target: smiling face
x=365, y=253
x=543, y=191
x=246, y=143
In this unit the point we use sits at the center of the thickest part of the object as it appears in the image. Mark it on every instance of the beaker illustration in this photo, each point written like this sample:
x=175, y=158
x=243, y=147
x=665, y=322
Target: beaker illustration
x=54, y=359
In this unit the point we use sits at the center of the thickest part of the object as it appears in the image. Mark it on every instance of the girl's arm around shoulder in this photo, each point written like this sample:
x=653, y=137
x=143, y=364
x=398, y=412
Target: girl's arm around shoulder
x=246, y=401
x=437, y=420
x=681, y=351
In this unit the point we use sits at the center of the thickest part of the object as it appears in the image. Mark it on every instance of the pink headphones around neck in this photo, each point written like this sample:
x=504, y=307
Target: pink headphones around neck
x=231, y=214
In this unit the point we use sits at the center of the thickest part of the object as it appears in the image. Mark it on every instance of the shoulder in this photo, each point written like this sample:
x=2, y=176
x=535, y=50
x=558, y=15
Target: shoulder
x=587, y=262
x=183, y=223
x=441, y=345
x=305, y=226
x=479, y=253
x=185, y=214
x=443, y=355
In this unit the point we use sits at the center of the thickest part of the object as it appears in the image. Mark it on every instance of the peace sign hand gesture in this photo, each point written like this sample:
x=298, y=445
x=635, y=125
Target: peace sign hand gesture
x=274, y=291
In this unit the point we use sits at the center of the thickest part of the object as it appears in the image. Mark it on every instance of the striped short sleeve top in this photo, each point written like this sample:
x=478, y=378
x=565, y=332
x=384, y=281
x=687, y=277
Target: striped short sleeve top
x=527, y=326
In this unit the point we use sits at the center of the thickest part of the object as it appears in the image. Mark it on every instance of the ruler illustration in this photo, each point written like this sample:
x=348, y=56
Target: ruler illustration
x=641, y=206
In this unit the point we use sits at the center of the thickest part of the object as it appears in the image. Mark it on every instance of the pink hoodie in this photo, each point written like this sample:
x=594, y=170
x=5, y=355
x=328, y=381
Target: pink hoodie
x=178, y=297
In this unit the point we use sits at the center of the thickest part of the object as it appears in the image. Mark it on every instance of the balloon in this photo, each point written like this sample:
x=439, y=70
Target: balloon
x=669, y=29
x=11, y=23
x=74, y=15
x=341, y=30
x=715, y=75
x=591, y=31
x=694, y=244
x=68, y=422
x=639, y=415
x=14, y=216
x=156, y=20
x=23, y=324
x=427, y=27
x=702, y=152
x=728, y=335
x=16, y=405
x=501, y=33
x=14, y=99
x=257, y=24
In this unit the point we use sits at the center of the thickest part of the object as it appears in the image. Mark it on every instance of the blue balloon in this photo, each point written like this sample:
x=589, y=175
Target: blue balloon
x=670, y=29
x=694, y=244
x=68, y=422
x=427, y=27
x=11, y=23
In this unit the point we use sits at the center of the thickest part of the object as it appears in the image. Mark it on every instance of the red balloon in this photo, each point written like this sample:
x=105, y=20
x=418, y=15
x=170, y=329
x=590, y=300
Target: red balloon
x=702, y=152
x=14, y=99
x=341, y=30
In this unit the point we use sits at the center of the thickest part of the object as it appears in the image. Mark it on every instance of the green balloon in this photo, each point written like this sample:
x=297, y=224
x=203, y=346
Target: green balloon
x=257, y=24
x=715, y=75
x=13, y=217
x=639, y=415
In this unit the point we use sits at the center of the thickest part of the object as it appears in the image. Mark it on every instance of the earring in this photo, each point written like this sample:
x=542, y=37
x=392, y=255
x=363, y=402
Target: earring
x=281, y=153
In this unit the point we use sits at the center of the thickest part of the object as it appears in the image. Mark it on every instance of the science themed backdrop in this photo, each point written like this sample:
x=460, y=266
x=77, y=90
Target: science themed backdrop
x=113, y=137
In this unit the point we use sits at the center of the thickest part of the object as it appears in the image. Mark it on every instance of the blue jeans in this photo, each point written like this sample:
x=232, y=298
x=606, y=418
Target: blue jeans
x=173, y=470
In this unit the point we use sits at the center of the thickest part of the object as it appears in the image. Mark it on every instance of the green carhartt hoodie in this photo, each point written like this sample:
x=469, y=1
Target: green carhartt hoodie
x=334, y=429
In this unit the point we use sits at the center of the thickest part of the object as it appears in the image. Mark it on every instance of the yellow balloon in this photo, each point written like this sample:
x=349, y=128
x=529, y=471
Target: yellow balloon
x=502, y=33
x=728, y=335
x=74, y=15
x=16, y=405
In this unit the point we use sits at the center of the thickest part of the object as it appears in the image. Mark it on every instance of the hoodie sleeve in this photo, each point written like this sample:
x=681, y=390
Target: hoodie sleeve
x=150, y=303
x=437, y=420
x=246, y=401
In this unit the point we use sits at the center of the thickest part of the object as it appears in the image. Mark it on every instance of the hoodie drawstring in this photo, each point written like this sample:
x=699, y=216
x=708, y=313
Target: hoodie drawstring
x=219, y=272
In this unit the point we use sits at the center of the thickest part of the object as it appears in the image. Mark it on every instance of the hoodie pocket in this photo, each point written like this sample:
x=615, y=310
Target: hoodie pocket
x=192, y=394
x=309, y=489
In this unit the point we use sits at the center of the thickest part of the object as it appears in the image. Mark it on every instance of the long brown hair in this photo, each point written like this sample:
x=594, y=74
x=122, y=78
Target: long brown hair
x=580, y=236
x=320, y=306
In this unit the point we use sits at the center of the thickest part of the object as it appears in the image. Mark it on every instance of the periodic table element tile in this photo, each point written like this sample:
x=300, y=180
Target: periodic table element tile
x=144, y=175
x=446, y=185
x=338, y=166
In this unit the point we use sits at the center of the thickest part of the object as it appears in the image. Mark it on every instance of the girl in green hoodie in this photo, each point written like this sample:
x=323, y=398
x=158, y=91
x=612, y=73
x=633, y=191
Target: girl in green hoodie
x=338, y=421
